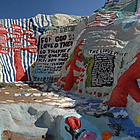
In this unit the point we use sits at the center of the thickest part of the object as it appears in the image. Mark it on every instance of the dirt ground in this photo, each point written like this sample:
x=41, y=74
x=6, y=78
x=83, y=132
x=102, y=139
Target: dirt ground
x=7, y=94
x=8, y=135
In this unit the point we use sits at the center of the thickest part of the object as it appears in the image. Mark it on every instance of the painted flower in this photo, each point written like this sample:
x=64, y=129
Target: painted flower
x=35, y=62
x=58, y=83
x=107, y=135
x=89, y=135
x=73, y=122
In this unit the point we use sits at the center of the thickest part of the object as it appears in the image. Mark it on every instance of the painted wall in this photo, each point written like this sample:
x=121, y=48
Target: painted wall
x=104, y=65
x=19, y=38
x=99, y=59
x=20, y=44
x=53, y=53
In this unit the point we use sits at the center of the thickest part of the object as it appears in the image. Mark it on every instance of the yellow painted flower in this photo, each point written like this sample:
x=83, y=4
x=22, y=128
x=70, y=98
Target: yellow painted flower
x=138, y=119
x=32, y=64
x=32, y=74
x=32, y=69
x=35, y=62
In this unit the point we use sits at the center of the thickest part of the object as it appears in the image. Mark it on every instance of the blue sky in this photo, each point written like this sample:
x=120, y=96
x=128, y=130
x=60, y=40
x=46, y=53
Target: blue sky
x=30, y=8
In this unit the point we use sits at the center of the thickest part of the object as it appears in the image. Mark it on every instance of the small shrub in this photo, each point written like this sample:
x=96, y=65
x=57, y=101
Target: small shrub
x=11, y=85
x=3, y=85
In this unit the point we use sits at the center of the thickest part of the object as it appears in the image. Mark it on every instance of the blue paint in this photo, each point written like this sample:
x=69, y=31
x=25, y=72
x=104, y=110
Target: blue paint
x=138, y=81
x=115, y=138
x=9, y=72
x=39, y=73
x=126, y=123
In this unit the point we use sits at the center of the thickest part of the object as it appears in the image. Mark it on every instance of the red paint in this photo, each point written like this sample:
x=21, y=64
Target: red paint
x=99, y=94
x=90, y=93
x=16, y=27
x=81, y=75
x=83, y=70
x=44, y=78
x=70, y=79
x=3, y=30
x=80, y=91
x=85, y=66
x=35, y=78
x=105, y=94
x=131, y=105
x=2, y=39
x=28, y=32
x=17, y=47
x=32, y=40
x=94, y=92
x=20, y=74
x=81, y=80
x=77, y=82
x=32, y=48
x=127, y=84
x=76, y=87
x=86, y=91
x=103, y=19
x=73, y=122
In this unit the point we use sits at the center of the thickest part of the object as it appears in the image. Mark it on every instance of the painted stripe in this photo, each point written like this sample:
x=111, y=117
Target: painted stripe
x=38, y=24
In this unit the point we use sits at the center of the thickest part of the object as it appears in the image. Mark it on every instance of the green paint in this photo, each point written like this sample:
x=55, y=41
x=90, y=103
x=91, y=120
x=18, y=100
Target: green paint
x=109, y=114
x=75, y=17
x=54, y=20
x=66, y=27
x=119, y=14
x=135, y=7
x=89, y=70
x=71, y=56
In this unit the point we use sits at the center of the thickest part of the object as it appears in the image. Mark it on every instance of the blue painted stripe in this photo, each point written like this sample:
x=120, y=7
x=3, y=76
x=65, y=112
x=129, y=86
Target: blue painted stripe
x=37, y=24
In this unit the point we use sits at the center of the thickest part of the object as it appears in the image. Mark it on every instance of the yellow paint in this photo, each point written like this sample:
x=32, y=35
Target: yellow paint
x=32, y=64
x=32, y=69
x=32, y=74
x=138, y=119
x=35, y=62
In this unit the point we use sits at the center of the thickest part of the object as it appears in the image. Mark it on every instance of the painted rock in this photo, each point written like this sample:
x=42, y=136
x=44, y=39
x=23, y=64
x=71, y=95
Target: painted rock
x=89, y=135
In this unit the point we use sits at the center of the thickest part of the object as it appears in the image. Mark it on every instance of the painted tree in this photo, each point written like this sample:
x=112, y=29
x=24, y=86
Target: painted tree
x=17, y=33
x=73, y=123
x=70, y=79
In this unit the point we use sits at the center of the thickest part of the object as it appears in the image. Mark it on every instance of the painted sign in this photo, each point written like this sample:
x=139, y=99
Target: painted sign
x=103, y=70
x=53, y=52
